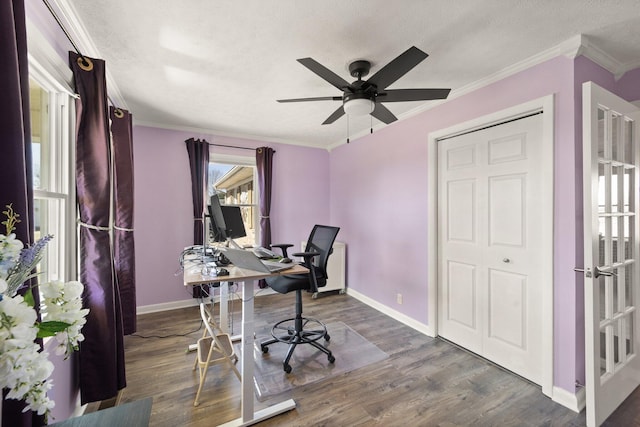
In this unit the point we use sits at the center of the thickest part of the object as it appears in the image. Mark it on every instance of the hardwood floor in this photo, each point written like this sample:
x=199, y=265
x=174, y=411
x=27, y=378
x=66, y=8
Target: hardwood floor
x=424, y=382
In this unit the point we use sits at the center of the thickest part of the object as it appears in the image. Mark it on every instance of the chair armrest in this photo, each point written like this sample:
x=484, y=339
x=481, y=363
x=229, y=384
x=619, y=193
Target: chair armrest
x=283, y=247
x=306, y=255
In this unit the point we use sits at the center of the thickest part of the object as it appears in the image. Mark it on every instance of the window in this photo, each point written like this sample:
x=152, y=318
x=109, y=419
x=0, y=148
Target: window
x=232, y=178
x=54, y=188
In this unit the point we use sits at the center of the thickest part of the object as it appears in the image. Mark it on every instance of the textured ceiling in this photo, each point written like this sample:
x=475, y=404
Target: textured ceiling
x=219, y=66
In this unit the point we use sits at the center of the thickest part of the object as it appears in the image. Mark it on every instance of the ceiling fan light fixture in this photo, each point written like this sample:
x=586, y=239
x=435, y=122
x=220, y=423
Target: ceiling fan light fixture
x=359, y=106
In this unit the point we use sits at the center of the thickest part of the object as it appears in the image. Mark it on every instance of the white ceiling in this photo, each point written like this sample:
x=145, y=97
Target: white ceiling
x=218, y=66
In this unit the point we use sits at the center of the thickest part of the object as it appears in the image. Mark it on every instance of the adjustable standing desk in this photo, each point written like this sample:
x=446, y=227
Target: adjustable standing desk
x=193, y=276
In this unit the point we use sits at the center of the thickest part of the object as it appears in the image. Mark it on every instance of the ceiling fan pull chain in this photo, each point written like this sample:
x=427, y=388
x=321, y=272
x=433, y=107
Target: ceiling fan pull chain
x=371, y=124
x=347, y=128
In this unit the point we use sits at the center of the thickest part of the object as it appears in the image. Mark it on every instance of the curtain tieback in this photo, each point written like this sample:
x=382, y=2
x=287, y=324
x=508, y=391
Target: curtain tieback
x=94, y=227
x=122, y=228
x=265, y=217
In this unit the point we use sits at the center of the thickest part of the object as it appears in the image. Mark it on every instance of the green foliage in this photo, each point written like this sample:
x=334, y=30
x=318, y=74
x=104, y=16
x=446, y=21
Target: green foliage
x=49, y=329
x=12, y=219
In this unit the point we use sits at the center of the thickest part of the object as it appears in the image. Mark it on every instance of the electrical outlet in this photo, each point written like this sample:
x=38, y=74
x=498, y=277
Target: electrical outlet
x=399, y=298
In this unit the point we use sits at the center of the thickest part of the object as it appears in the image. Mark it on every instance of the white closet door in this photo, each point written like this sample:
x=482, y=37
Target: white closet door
x=490, y=244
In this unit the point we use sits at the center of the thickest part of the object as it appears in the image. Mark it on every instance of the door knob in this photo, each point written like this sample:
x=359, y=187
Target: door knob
x=507, y=260
x=596, y=272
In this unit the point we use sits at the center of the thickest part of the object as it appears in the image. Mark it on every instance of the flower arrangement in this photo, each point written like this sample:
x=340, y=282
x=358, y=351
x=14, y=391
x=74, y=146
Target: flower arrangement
x=24, y=368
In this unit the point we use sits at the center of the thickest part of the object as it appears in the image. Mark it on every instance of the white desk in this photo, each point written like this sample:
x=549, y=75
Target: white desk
x=192, y=276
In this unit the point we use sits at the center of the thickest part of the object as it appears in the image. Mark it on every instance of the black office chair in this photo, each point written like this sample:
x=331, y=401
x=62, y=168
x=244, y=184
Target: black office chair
x=304, y=330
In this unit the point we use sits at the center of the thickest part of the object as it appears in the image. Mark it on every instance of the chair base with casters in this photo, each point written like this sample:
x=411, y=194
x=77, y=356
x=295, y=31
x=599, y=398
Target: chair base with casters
x=213, y=348
x=300, y=329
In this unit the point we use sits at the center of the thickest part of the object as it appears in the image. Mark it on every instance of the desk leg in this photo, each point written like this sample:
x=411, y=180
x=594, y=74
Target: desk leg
x=224, y=310
x=247, y=351
x=224, y=307
x=250, y=417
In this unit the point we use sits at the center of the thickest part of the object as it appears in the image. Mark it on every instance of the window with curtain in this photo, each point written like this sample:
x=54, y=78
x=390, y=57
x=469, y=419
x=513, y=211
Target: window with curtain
x=54, y=203
x=233, y=179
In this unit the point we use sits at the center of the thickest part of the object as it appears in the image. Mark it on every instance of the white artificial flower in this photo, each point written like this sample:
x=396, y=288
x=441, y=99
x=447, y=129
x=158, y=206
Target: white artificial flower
x=10, y=248
x=73, y=291
x=24, y=368
x=63, y=302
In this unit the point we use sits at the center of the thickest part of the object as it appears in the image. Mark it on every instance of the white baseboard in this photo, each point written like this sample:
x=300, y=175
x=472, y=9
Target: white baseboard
x=174, y=305
x=165, y=306
x=412, y=323
x=574, y=401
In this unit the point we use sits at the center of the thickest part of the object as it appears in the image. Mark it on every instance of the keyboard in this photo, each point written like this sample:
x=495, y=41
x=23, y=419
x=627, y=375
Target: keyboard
x=264, y=253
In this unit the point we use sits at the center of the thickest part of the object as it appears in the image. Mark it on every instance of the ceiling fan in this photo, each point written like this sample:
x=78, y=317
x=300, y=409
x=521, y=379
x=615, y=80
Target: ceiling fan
x=366, y=97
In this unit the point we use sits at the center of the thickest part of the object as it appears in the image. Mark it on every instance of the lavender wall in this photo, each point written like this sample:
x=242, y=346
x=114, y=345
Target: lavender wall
x=387, y=175
x=163, y=206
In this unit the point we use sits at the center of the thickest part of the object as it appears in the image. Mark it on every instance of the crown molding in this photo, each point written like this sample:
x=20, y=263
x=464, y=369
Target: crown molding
x=80, y=35
x=588, y=49
x=579, y=45
x=213, y=133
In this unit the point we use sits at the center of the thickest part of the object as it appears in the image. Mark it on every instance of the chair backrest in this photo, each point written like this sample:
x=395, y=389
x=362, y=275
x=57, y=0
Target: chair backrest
x=321, y=240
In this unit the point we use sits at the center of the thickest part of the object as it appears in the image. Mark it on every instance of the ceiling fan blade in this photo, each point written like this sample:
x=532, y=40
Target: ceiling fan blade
x=319, y=98
x=400, y=95
x=335, y=116
x=324, y=72
x=383, y=114
x=397, y=68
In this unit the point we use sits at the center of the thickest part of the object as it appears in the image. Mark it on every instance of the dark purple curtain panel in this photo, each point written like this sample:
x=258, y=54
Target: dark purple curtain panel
x=198, y=151
x=15, y=149
x=124, y=248
x=264, y=164
x=15, y=139
x=102, y=369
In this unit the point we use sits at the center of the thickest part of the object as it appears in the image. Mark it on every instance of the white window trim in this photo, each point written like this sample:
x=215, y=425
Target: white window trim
x=62, y=125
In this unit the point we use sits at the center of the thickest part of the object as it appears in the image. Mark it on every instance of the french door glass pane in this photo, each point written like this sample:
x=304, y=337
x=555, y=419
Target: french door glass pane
x=601, y=132
x=617, y=339
x=602, y=226
x=601, y=188
x=615, y=296
x=628, y=142
x=603, y=353
x=628, y=285
x=604, y=297
x=617, y=187
x=616, y=140
x=615, y=245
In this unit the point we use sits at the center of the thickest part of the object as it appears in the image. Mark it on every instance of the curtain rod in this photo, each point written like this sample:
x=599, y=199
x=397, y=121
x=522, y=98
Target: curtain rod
x=233, y=146
x=66, y=33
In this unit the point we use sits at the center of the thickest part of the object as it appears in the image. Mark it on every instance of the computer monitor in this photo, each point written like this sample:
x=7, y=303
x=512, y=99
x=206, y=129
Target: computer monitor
x=233, y=220
x=218, y=224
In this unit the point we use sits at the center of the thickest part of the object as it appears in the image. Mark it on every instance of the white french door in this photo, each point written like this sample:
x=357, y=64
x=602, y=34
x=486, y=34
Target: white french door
x=611, y=279
x=492, y=254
